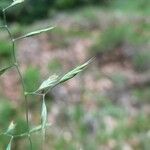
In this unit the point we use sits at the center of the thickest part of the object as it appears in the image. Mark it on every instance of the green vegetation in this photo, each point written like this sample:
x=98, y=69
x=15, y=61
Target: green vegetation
x=55, y=66
x=31, y=78
x=141, y=60
x=5, y=49
x=116, y=36
x=16, y=29
x=67, y=35
x=110, y=39
x=142, y=95
x=134, y=36
x=7, y=112
x=37, y=9
x=132, y=6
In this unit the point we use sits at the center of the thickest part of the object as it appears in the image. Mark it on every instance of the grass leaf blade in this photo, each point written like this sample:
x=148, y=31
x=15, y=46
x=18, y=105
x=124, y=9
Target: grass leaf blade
x=35, y=33
x=15, y=2
x=44, y=114
x=11, y=128
x=44, y=117
x=2, y=71
x=9, y=145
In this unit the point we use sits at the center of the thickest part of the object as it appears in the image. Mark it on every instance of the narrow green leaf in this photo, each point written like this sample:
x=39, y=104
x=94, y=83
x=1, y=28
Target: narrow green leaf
x=44, y=114
x=44, y=117
x=11, y=128
x=9, y=145
x=15, y=2
x=34, y=33
x=74, y=72
x=2, y=71
x=48, y=83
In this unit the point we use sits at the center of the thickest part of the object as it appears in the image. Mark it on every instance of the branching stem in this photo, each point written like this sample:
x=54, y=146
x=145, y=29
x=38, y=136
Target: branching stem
x=15, y=63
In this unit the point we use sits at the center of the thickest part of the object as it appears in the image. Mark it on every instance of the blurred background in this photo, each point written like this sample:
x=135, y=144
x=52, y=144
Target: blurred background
x=107, y=107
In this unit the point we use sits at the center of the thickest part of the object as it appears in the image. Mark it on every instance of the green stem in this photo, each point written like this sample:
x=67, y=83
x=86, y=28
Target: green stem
x=19, y=73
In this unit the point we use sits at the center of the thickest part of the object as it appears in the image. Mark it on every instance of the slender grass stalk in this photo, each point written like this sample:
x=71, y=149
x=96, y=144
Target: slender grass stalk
x=15, y=63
